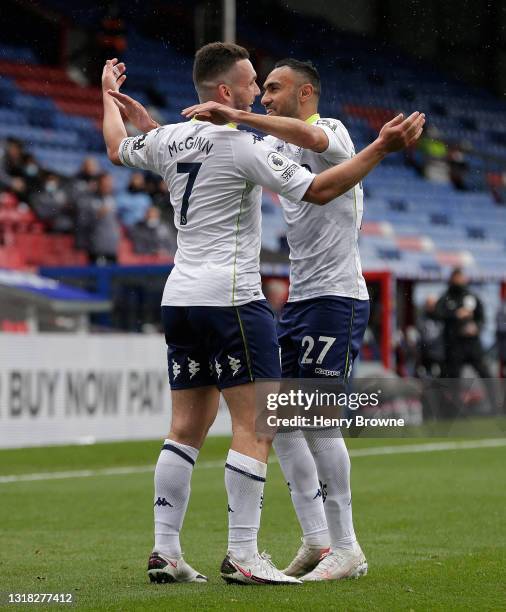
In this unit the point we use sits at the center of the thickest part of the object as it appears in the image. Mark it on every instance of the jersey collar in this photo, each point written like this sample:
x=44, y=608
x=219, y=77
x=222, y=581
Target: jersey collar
x=313, y=119
x=229, y=125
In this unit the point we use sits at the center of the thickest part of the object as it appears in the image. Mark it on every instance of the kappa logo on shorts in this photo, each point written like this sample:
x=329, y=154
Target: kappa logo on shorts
x=176, y=369
x=193, y=367
x=235, y=364
x=217, y=367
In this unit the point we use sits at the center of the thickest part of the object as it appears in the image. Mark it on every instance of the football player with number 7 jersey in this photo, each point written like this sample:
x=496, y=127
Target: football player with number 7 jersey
x=219, y=330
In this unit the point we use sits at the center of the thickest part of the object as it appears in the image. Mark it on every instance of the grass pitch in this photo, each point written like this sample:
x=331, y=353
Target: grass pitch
x=432, y=525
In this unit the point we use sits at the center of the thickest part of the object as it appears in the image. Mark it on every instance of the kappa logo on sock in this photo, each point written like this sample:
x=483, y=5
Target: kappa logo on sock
x=193, y=367
x=322, y=492
x=176, y=369
x=289, y=487
x=229, y=508
x=261, y=501
x=161, y=501
x=323, y=489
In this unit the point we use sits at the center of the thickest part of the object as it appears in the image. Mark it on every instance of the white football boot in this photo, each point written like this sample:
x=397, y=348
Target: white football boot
x=258, y=570
x=307, y=558
x=163, y=569
x=339, y=564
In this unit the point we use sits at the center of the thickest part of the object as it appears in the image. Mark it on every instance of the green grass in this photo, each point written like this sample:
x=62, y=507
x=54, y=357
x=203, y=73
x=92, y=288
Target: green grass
x=432, y=526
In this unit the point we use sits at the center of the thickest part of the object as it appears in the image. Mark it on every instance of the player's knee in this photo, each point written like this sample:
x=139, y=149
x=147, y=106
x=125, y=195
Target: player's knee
x=190, y=437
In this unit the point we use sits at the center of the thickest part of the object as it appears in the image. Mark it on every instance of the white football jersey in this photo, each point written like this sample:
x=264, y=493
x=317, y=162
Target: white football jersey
x=323, y=240
x=214, y=174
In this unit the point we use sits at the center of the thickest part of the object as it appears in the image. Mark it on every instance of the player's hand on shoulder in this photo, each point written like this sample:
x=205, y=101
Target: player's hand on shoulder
x=134, y=111
x=113, y=75
x=400, y=133
x=214, y=112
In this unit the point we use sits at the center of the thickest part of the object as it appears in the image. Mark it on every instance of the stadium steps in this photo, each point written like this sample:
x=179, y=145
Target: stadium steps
x=54, y=83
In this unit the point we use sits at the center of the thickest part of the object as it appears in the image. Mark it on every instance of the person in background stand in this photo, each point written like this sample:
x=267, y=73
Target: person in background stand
x=431, y=353
x=98, y=228
x=461, y=312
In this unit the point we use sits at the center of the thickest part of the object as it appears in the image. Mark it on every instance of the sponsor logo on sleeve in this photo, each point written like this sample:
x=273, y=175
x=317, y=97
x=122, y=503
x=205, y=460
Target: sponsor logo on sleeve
x=277, y=161
x=289, y=172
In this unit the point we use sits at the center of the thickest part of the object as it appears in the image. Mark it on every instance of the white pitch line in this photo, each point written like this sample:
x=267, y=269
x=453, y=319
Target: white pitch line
x=429, y=447
x=359, y=452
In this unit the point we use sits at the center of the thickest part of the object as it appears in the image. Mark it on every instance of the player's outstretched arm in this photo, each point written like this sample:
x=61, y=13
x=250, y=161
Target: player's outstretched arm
x=113, y=127
x=394, y=136
x=291, y=130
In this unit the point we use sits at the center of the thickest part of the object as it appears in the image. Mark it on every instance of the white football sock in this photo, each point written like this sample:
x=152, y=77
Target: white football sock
x=173, y=473
x=244, y=481
x=299, y=470
x=333, y=466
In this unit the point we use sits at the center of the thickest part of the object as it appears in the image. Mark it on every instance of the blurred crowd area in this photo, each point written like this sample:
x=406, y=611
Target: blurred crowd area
x=447, y=337
x=87, y=206
x=447, y=162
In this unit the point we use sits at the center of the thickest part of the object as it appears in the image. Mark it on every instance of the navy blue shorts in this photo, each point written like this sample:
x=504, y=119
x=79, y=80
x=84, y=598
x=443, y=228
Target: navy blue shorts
x=321, y=337
x=220, y=345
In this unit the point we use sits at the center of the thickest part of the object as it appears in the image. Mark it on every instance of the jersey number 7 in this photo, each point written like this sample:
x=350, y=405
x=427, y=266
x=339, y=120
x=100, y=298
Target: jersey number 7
x=192, y=170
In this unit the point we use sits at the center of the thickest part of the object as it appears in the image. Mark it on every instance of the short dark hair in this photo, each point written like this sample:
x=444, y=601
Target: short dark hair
x=457, y=271
x=307, y=69
x=214, y=59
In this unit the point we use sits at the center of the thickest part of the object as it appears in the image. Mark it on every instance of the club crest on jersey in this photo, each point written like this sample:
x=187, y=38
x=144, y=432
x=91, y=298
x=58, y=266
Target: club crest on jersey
x=277, y=161
x=193, y=367
x=235, y=364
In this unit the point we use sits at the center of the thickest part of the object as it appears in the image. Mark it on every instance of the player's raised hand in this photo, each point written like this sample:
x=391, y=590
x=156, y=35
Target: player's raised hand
x=214, y=112
x=113, y=75
x=134, y=111
x=400, y=133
